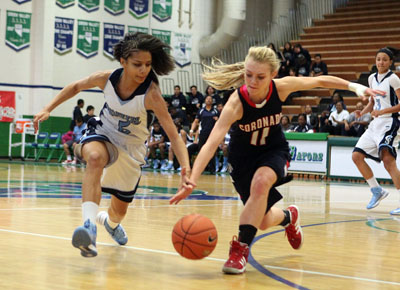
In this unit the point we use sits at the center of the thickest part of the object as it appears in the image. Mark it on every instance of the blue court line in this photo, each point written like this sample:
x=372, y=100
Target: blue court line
x=268, y=273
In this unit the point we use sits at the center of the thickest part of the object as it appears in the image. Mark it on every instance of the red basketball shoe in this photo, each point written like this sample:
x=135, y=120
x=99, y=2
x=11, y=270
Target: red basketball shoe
x=293, y=229
x=238, y=254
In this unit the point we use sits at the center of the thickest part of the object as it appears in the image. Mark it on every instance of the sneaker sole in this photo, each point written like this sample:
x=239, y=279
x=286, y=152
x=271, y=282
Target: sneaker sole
x=82, y=241
x=298, y=223
x=384, y=195
x=235, y=271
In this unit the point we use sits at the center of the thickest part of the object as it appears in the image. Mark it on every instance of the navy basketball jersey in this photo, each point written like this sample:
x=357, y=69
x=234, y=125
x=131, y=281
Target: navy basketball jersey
x=259, y=129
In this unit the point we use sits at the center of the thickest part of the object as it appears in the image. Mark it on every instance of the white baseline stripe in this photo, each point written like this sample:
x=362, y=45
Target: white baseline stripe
x=332, y=275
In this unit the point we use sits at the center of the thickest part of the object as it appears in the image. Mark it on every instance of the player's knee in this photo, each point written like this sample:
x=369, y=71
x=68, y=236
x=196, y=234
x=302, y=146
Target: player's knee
x=261, y=184
x=95, y=159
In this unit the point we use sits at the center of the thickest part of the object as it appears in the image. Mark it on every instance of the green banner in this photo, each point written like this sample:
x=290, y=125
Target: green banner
x=89, y=5
x=135, y=29
x=163, y=35
x=88, y=38
x=115, y=7
x=18, y=29
x=162, y=10
x=65, y=3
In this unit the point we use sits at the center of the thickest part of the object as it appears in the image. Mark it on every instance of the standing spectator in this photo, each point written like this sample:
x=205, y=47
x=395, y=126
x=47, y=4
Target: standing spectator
x=206, y=118
x=312, y=119
x=302, y=127
x=76, y=113
x=318, y=67
x=76, y=136
x=196, y=100
x=177, y=100
x=354, y=126
x=90, y=114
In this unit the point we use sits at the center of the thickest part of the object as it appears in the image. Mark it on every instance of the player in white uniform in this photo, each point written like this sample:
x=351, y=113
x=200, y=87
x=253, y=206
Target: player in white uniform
x=379, y=142
x=114, y=144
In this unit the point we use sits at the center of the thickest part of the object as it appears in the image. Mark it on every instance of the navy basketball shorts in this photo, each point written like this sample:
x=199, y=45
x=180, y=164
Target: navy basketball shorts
x=243, y=169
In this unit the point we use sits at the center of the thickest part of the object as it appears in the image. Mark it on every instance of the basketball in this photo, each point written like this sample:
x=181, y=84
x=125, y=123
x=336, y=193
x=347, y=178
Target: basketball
x=194, y=236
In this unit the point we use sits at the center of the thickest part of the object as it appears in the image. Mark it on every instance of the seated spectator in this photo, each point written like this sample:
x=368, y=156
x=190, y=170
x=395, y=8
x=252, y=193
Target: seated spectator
x=210, y=91
x=324, y=121
x=181, y=116
x=336, y=97
x=354, y=126
x=279, y=55
x=318, y=68
x=183, y=135
x=302, y=67
x=299, y=53
x=76, y=136
x=157, y=140
x=196, y=100
x=312, y=119
x=90, y=114
x=285, y=124
x=177, y=100
x=336, y=120
x=302, y=127
x=288, y=59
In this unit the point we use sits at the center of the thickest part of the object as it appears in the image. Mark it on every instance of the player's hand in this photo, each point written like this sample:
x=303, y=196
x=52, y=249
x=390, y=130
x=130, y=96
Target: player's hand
x=375, y=113
x=185, y=189
x=372, y=93
x=39, y=117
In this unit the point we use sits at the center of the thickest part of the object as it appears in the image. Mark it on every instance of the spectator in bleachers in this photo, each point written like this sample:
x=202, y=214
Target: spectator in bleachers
x=89, y=114
x=298, y=52
x=302, y=127
x=318, y=68
x=354, y=126
x=336, y=97
x=76, y=136
x=76, y=113
x=177, y=100
x=182, y=134
x=288, y=59
x=285, y=124
x=312, y=119
x=196, y=100
x=177, y=113
x=210, y=91
x=278, y=53
x=157, y=140
x=302, y=66
x=336, y=120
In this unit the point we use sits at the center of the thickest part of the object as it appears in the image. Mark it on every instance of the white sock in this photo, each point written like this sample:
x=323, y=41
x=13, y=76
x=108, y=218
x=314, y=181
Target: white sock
x=69, y=158
x=372, y=182
x=89, y=211
x=170, y=162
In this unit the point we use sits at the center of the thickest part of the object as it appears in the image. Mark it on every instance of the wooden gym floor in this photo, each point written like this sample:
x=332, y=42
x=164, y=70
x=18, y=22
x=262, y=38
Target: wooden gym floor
x=345, y=247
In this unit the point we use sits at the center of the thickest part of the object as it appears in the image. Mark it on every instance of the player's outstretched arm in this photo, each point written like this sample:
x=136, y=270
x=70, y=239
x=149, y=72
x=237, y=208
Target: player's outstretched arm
x=97, y=79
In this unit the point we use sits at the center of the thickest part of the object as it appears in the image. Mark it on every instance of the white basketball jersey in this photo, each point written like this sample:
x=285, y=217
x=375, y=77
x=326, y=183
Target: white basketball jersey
x=389, y=83
x=125, y=122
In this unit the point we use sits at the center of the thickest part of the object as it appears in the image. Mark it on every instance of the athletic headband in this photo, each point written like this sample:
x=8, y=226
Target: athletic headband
x=387, y=51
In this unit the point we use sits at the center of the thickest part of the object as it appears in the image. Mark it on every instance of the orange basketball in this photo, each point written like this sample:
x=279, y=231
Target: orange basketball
x=194, y=236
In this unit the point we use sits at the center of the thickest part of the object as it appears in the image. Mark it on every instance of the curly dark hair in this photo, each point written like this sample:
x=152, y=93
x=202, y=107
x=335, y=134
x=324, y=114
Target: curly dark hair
x=162, y=62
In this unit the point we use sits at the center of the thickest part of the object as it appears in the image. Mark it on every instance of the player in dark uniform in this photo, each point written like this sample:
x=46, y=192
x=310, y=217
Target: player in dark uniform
x=258, y=151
